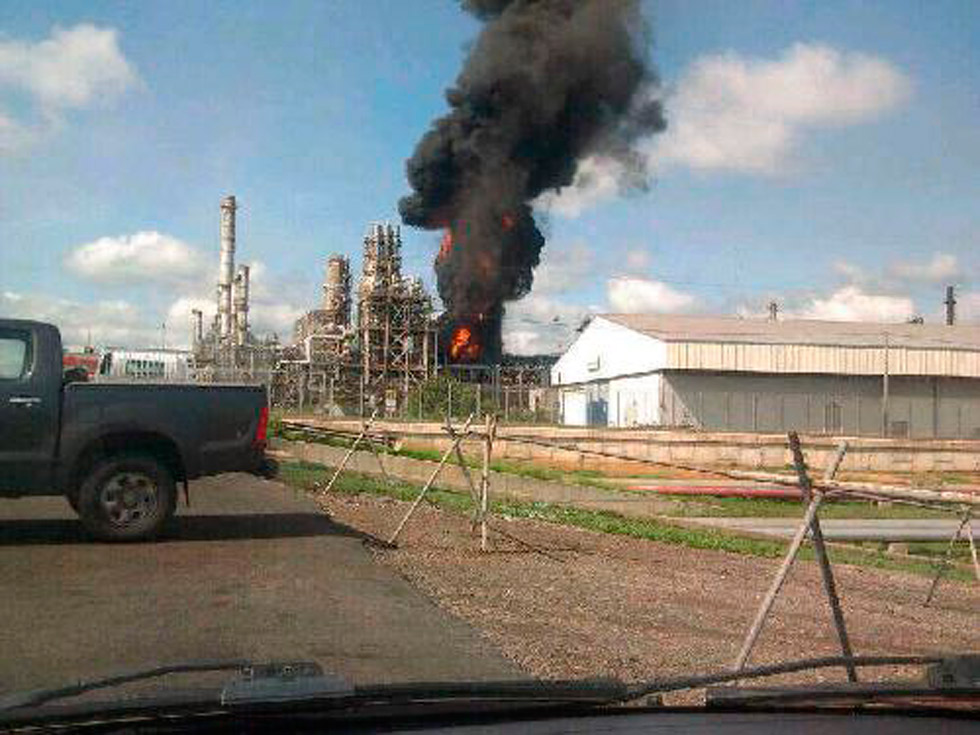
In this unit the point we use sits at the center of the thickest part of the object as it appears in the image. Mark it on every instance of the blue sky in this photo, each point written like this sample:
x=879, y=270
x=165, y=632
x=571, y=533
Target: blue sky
x=822, y=154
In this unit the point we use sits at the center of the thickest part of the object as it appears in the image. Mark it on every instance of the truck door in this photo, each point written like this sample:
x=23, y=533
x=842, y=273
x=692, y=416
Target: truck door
x=29, y=408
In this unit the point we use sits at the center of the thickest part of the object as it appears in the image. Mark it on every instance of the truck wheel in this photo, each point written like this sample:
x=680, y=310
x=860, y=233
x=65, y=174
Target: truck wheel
x=127, y=498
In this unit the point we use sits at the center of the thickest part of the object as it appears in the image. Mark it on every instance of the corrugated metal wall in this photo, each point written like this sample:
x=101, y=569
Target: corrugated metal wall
x=946, y=408
x=838, y=359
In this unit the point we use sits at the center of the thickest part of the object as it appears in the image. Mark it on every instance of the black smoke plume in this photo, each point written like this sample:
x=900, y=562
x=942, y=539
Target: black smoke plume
x=547, y=83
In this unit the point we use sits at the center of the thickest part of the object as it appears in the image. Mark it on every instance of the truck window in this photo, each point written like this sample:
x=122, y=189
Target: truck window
x=14, y=353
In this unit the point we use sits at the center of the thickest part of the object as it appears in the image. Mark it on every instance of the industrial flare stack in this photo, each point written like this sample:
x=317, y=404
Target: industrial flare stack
x=227, y=350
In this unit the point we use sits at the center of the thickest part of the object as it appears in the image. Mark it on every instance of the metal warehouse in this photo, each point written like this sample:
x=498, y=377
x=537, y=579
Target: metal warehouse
x=730, y=374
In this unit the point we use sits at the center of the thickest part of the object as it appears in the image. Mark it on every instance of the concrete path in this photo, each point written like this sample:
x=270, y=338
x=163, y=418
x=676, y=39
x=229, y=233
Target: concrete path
x=252, y=570
x=913, y=529
x=632, y=504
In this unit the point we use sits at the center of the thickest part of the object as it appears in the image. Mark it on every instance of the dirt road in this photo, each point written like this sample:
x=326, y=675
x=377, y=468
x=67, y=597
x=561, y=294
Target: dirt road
x=630, y=608
x=251, y=570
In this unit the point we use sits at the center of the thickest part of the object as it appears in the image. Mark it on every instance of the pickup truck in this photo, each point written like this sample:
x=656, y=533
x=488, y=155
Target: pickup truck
x=116, y=451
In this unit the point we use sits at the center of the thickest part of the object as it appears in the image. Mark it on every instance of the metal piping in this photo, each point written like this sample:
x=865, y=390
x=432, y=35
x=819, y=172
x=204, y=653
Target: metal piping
x=226, y=268
x=241, y=305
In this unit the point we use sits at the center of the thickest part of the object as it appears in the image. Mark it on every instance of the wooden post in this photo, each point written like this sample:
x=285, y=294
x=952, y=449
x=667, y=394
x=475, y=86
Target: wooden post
x=973, y=548
x=432, y=479
x=490, y=428
x=462, y=464
x=377, y=456
x=794, y=548
x=964, y=523
x=350, y=453
x=806, y=487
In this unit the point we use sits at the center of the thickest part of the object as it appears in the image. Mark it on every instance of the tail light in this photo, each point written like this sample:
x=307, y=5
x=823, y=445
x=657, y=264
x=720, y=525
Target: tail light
x=262, y=430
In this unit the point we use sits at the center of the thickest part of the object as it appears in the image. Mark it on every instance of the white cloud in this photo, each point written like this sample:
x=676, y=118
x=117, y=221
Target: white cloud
x=539, y=324
x=277, y=317
x=633, y=295
x=852, y=304
x=73, y=68
x=737, y=113
x=563, y=268
x=851, y=272
x=13, y=135
x=597, y=179
x=114, y=322
x=269, y=311
x=942, y=267
x=179, y=321
x=145, y=257
x=744, y=114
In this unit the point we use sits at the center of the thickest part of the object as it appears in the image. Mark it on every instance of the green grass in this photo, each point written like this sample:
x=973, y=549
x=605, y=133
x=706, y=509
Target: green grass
x=312, y=477
x=590, y=478
x=705, y=506
x=728, y=507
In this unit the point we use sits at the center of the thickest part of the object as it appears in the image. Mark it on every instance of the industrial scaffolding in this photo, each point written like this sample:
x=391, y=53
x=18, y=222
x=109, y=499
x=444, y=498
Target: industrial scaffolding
x=362, y=349
x=397, y=336
x=337, y=364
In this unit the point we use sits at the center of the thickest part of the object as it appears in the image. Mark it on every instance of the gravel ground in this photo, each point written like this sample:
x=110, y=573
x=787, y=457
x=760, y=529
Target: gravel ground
x=604, y=605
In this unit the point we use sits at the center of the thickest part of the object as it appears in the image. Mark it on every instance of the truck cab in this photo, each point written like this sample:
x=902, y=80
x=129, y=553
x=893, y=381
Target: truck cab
x=30, y=403
x=116, y=450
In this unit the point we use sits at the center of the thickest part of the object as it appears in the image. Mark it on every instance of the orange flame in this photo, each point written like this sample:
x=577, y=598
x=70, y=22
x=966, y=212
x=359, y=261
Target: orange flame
x=446, y=246
x=508, y=222
x=463, y=346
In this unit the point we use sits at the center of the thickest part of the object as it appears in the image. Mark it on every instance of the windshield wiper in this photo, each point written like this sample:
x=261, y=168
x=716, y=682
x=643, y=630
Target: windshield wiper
x=270, y=683
x=948, y=678
x=907, y=693
x=37, y=697
x=699, y=681
x=304, y=683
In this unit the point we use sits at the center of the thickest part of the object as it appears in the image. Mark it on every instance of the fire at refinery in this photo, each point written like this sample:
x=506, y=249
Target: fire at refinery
x=464, y=345
x=548, y=83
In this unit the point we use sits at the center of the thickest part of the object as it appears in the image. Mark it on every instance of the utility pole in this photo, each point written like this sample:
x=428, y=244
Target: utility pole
x=950, y=305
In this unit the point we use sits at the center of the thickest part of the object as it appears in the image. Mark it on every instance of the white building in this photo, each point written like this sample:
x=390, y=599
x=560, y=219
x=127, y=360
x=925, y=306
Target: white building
x=729, y=374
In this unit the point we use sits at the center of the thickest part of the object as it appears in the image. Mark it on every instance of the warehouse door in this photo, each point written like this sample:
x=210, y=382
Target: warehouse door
x=597, y=409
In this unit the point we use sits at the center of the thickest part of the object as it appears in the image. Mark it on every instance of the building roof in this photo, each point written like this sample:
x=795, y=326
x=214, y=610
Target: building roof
x=719, y=329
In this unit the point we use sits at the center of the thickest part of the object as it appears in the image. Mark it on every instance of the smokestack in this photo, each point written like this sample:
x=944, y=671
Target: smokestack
x=226, y=267
x=950, y=305
x=336, y=291
x=241, y=305
x=197, y=328
x=548, y=84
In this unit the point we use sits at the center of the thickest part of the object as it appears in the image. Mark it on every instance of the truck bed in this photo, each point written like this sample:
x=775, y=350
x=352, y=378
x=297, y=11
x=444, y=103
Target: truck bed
x=213, y=425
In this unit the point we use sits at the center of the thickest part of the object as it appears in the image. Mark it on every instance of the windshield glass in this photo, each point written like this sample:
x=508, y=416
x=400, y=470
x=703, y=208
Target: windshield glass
x=487, y=340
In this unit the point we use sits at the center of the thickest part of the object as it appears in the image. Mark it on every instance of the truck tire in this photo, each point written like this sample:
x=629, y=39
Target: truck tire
x=127, y=497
